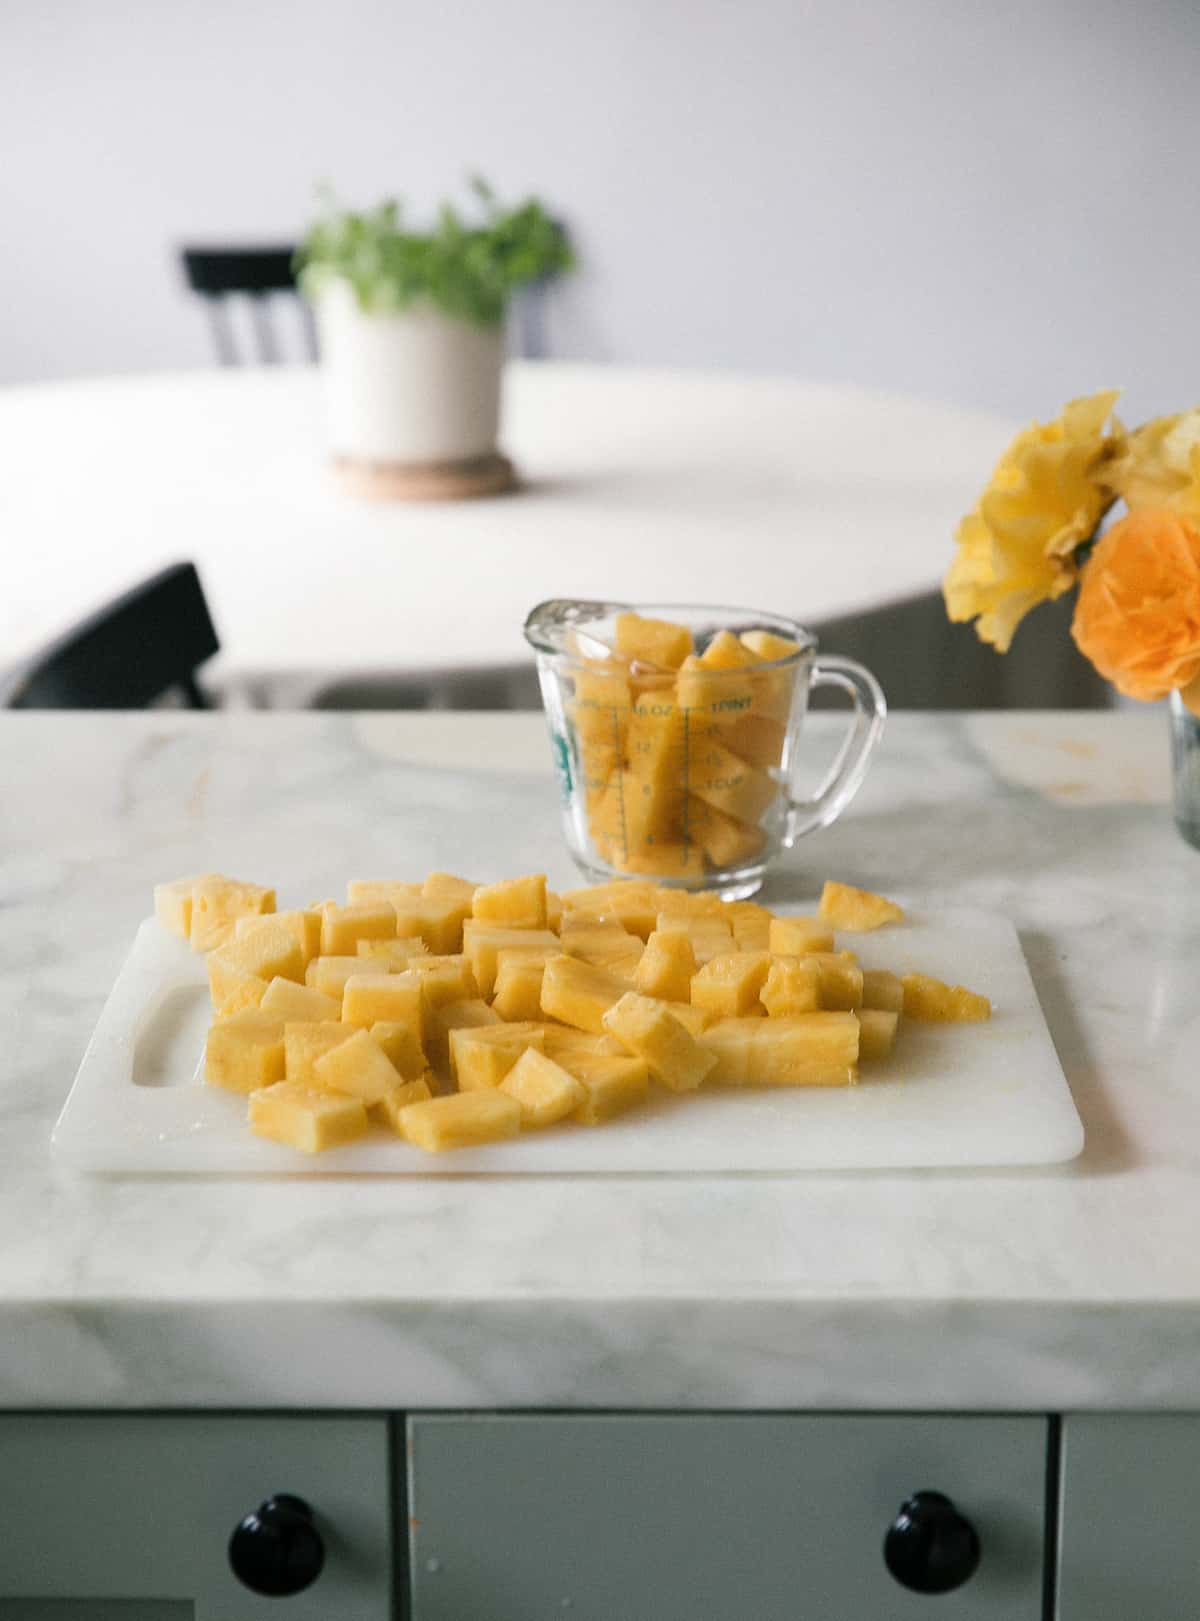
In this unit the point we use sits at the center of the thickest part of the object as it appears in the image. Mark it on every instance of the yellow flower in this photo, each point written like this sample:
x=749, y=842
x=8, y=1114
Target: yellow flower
x=1045, y=498
x=1159, y=466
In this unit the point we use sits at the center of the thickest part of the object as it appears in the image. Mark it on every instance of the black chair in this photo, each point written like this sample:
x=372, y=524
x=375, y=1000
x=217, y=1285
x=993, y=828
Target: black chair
x=139, y=648
x=924, y=662
x=257, y=275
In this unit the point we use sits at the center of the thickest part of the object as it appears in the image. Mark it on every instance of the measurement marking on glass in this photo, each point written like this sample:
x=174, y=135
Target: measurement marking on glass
x=620, y=789
x=686, y=797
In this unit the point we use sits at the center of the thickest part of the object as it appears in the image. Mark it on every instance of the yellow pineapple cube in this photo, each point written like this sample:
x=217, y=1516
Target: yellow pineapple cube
x=554, y=911
x=402, y=1047
x=387, y=1110
x=514, y=903
x=844, y=907
x=756, y=738
x=709, y=936
x=544, y=1090
x=806, y=1049
x=471, y=1013
x=305, y=1118
x=652, y=641
x=693, y=1019
x=519, y=984
x=612, y=1084
x=651, y=1032
x=443, y=980
x=270, y=952
x=561, y=1041
x=929, y=998
x=304, y=922
x=751, y=925
x=606, y=944
x=482, y=942
x=766, y=645
x=437, y=918
x=579, y=994
x=793, y=985
x=304, y=1043
x=841, y=980
x=286, y=1000
x=797, y=936
x=728, y=987
x=390, y=956
x=342, y=927
x=667, y=966
x=726, y=782
x=249, y=992
x=244, y=1051
x=882, y=989
x=392, y=998
x=726, y=842
x=448, y=886
x=726, y=652
x=359, y=1067
x=217, y=903
x=330, y=975
x=698, y=904
x=379, y=891
x=482, y=1057
x=463, y=1120
x=632, y=904
x=173, y=903
x=876, y=1032
x=662, y=858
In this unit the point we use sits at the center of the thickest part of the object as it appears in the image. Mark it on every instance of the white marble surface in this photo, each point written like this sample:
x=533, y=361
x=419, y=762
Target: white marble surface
x=1072, y=1287
x=821, y=500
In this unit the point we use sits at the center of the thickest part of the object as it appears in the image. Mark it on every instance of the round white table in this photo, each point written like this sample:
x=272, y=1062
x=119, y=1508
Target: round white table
x=639, y=485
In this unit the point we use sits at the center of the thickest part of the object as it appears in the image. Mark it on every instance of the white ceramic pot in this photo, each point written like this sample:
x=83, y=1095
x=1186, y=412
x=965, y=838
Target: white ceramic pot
x=408, y=388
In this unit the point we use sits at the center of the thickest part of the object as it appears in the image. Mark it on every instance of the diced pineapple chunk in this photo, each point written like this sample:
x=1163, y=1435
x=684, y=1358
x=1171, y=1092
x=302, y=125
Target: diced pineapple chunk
x=769, y=646
x=606, y=944
x=793, y=985
x=304, y=1043
x=401, y=1046
x=330, y=975
x=844, y=907
x=545, y=1091
x=579, y=994
x=443, y=979
x=304, y=922
x=377, y=891
x=726, y=782
x=173, y=903
x=519, y=984
x=358, y=1067
x=652, y=641
x=883, y=989
x=463, y=1120
x=286, y=1000
x=632, y=904
x=728, y=987
x=249, y=992
x=437, y=918
x=841, y=980
x=651, y=1031
x=244, y=1051
x=269, y=952
x=481, y=1058
x=876, y=1032
x=710, y=936
x=217, y=903
x=797, y=936
x=392, y=956
x=693, y=1019
x=667, y=966
x=391, y=998
x=751, y=925
x=561, y=1041
x=514, y=903
x=807, y=1049
x=929, y=998
x=388, y=1108
x=342, y=927
x=483, y=941
x=447, y=886
x=725, y=841
x=612, y=1083
x=305, y=1118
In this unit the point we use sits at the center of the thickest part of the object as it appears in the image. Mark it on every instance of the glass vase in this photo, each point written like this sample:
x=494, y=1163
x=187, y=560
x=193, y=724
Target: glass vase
x=1185, y=762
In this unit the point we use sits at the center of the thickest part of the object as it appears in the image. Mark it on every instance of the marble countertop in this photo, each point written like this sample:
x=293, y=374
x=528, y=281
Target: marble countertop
x=1068, y=1287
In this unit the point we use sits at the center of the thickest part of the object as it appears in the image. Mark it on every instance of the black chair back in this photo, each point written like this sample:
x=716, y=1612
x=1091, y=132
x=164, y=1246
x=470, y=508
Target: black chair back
x=219, y=275
x=137, y=649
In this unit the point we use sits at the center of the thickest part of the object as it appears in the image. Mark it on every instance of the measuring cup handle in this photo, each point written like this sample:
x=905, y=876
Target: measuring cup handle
x=845, y=775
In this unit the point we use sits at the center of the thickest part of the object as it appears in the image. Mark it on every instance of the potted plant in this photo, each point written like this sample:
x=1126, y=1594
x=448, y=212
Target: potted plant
x=411, y=328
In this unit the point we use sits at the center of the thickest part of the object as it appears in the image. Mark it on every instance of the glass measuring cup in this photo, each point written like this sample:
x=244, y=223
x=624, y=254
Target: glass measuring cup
x=685, y=775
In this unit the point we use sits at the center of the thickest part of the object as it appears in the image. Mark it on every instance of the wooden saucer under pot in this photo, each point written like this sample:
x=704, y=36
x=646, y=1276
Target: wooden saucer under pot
x=427, y=481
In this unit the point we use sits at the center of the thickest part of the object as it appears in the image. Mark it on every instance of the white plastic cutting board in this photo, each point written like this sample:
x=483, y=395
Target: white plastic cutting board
x=961, y=1095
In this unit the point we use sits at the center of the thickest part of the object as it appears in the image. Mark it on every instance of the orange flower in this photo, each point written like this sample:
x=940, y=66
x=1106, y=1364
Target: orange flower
x=1138, y=613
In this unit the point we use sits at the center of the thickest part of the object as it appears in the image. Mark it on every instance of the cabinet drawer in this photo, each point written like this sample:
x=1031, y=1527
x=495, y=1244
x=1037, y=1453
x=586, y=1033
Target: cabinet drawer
x=1130, y=1486
x=668, y=1519
x=120, y=1515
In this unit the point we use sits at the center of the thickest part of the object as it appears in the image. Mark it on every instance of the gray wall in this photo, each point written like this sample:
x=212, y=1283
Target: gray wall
x=993, y=203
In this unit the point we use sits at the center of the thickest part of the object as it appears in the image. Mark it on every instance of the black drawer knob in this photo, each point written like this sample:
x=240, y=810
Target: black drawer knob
x=277, y=1550
x=930, y=1547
